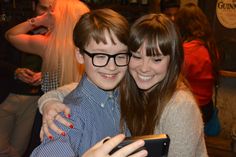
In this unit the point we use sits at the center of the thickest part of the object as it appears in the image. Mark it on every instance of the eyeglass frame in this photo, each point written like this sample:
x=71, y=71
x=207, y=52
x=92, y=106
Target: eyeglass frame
x=92, y=55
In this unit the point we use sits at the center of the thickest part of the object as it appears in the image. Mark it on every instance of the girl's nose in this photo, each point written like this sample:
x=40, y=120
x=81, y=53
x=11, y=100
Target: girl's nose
x=144, y=66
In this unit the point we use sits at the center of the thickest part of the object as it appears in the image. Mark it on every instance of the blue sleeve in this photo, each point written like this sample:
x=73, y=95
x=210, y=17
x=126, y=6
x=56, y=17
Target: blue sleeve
x=62, y=146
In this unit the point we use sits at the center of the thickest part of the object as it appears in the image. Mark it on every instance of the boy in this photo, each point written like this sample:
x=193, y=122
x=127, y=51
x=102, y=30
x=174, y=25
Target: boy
x=101, y=38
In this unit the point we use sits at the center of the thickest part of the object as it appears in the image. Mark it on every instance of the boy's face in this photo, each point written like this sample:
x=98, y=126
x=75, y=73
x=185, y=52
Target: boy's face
x=109, y=76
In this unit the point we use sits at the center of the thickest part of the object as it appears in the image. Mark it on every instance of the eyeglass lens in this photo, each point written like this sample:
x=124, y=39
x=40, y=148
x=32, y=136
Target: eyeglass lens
x=102, y=59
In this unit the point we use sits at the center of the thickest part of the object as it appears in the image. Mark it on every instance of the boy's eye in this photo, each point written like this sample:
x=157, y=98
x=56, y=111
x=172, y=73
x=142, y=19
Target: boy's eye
x=122, y=56
x=100, y=56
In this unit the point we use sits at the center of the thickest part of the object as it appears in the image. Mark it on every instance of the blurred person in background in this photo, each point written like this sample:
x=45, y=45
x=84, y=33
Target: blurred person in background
x=200, y=55
x=20, y=81
x=170, y=8
x=56, y=47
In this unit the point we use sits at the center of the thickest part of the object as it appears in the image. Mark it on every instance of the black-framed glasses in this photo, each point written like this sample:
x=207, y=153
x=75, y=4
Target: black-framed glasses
x=102, y=59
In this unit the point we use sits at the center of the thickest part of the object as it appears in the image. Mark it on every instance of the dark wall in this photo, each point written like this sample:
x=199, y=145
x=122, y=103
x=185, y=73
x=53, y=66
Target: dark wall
x=13, y=12
x=225, y=37
x=15, y=9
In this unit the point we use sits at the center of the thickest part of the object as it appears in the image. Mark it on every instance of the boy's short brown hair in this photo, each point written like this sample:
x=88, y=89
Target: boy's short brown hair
x=93, y=24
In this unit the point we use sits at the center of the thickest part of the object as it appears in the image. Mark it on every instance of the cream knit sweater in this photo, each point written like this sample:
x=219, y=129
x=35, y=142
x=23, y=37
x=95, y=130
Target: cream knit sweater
x=182, y=121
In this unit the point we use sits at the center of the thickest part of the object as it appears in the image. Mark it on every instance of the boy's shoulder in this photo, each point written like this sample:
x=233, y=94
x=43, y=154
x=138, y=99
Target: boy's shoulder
x=76, y=97
x=79, y=100
x=79, y=105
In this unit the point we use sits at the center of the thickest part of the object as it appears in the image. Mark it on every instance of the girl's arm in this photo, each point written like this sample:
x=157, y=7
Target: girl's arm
x=50, y=105
x=182, y=121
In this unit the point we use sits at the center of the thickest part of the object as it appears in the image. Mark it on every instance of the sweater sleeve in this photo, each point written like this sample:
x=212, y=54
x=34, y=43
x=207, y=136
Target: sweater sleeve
x=182, y=121
x=56, y=95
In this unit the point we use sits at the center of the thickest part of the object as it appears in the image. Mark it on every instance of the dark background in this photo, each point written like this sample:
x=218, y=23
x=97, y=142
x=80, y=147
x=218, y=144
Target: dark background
x=16, y=11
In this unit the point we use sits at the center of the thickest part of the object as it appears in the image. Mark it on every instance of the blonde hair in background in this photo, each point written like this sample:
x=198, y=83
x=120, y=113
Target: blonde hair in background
x=60, y=51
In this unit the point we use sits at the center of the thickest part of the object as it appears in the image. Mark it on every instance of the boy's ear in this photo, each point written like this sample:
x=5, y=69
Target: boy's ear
x=79, y=56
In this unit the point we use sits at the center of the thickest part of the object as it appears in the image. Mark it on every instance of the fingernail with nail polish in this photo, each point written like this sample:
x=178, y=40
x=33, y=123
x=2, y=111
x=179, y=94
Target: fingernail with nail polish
x=50, y=137
x=63, y=134
x=105, y=140
x=71, y=126
x=68, y=115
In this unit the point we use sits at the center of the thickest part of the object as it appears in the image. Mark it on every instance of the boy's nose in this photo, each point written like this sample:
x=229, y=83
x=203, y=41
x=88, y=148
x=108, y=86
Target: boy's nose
x=111, y=64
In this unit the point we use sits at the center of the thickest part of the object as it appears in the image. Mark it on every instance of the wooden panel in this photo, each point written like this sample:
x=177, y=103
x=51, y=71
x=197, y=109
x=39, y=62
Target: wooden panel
x=219, y=147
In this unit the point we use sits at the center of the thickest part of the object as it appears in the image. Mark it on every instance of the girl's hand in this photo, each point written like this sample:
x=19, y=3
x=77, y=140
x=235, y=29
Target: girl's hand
x=102, y=149
x=46, y=20
x=51, y=112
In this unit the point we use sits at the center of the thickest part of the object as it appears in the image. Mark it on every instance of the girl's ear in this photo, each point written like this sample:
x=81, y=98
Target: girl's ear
x=79, y=56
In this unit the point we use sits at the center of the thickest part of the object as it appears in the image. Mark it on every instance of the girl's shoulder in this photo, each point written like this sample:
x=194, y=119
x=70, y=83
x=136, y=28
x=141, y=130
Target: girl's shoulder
x=182, y=108
x=182, y=102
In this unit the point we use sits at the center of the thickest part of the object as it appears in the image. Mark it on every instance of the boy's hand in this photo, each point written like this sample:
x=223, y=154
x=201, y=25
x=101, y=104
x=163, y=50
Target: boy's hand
x=51, y=112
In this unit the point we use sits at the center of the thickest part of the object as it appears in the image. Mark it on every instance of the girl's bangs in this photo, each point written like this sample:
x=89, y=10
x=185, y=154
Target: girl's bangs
x=157, y=42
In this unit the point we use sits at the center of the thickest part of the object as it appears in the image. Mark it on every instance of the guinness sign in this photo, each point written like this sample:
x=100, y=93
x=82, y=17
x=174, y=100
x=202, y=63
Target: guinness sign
x=226, y=13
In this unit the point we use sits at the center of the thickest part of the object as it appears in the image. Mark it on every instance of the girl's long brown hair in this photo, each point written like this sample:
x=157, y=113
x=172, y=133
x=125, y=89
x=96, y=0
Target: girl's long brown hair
x=141, y=110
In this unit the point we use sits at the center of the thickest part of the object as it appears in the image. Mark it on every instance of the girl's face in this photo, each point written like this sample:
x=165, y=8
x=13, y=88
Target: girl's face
x=148, y=71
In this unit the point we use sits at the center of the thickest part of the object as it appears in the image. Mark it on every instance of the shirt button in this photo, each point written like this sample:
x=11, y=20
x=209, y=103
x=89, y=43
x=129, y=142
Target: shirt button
x=111, y=96
x=102, y=105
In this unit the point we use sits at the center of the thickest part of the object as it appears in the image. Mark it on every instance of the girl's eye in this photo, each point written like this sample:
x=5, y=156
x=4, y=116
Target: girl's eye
x=157, y=59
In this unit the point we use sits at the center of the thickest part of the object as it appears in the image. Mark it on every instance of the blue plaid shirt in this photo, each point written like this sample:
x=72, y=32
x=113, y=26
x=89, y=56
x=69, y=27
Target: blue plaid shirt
x=95, y=115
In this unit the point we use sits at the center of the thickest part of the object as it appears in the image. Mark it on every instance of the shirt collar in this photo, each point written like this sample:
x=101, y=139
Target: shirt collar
x=95, y=93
